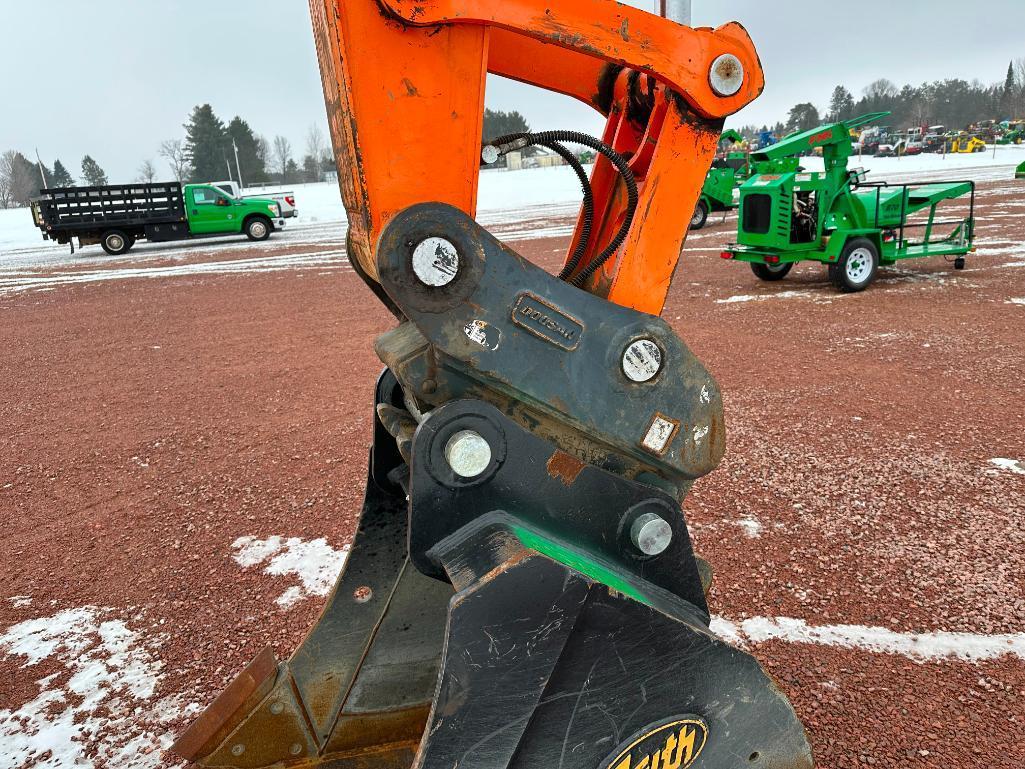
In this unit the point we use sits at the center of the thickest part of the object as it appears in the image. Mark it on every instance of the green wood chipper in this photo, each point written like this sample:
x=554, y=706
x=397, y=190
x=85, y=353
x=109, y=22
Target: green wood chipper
x=837, y=218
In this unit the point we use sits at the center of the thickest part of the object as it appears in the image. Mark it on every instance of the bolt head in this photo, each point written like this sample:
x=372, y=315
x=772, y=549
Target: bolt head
x=651, y=534
x=296, y=749
x=468, y=454
x=238, y=749
x=277, y=708
x=489, y=154
x=435, y=262
x=642, y=360
x=727, y=75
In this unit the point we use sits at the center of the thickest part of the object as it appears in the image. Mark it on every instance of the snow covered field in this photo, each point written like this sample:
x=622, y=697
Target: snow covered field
x=504, y=197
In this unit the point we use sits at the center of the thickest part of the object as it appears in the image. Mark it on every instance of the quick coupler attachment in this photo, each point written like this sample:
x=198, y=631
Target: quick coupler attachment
x=507, y=615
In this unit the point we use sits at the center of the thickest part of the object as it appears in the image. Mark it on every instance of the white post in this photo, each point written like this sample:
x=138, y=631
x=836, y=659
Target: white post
x=238, y=168
x=676, y=10
x=41, y=171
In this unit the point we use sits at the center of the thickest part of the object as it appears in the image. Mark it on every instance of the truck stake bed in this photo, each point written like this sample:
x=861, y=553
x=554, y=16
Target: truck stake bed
x=117, y=215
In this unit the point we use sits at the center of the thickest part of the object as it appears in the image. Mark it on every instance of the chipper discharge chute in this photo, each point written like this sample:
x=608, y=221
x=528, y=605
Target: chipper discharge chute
x=521, y=590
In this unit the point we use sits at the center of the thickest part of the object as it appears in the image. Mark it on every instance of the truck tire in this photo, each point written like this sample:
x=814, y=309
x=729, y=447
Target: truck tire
x=115, y=242
x=771, y=272
x=257, y=228
x=697, y=221
x=857, y=266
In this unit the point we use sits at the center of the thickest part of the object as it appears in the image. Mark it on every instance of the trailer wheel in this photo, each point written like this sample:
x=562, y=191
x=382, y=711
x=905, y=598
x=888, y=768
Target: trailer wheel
x=257, y=228
x=771, y=272
x=697, y=221
x=115, y=242
x=857, y=266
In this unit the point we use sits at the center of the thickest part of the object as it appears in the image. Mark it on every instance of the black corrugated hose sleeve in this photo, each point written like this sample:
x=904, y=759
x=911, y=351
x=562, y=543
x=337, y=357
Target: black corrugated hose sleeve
x=588, y=206
x=546, y=138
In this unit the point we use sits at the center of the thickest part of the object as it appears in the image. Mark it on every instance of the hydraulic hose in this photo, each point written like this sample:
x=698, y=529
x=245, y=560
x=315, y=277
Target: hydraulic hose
x=512, y=142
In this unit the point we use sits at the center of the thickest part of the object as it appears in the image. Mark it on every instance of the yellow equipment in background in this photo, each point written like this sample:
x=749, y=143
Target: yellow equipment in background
x=965, y=143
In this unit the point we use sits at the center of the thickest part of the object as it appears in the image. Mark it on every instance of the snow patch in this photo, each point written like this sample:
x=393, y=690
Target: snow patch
x=764, y=297
x=1011, y=465
x=920, y=647
x=751, y=527
x=314, y=562
x=1020, y=301
x=17, y=601
x=95, y=715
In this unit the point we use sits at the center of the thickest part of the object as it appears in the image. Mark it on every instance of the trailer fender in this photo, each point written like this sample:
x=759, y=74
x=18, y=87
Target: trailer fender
x=834, y=243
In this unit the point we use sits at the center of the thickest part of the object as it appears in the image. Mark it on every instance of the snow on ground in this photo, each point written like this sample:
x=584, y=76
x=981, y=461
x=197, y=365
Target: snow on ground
x=315, y=563
x=12, y=283
x=503, y=197
x=93, y=711
x=920, y=647
x=1010, y=465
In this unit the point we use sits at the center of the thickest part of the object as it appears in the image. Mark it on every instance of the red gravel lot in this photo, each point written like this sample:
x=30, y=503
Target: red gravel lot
x=147, y=424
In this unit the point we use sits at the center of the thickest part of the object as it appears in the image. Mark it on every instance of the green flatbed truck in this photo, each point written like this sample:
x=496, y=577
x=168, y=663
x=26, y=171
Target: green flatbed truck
x=116, y=216
x=837, y=218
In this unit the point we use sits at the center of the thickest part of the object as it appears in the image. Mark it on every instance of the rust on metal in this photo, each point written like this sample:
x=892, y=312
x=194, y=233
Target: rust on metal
x=228, y=710
x=564, y=467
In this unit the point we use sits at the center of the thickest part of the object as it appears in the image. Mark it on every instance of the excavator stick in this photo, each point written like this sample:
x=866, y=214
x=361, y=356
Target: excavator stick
x=521, y=590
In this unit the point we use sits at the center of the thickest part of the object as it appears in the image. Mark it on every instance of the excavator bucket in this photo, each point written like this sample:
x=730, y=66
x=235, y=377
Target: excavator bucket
x=521, y=590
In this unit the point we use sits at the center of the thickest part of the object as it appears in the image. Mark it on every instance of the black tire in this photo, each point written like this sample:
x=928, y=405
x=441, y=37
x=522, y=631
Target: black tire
x=697, y=221
x=959, y=263
x=771, y=272
x=115, y=242
x=857, y=266
x=257, y=228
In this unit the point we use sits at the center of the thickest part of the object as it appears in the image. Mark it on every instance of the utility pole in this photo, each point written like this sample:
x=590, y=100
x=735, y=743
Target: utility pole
x=42, y=172
x=677, y=10
x=237, y=166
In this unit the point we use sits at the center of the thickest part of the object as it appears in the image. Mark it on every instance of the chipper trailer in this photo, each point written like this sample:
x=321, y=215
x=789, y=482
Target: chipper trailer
x=837, y=218
x=521, y=590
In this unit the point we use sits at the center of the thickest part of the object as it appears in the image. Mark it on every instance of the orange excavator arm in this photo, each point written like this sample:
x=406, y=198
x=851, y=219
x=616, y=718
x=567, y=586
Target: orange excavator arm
x=417, y=70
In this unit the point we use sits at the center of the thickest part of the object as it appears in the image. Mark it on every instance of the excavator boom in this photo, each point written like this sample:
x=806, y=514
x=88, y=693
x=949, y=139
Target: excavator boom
x=521, y=590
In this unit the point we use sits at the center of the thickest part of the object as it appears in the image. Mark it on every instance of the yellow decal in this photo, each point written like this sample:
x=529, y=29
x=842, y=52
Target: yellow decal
x=673, y=744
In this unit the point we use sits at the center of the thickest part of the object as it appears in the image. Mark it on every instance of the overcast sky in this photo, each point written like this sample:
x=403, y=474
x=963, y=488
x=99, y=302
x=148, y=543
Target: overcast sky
x=113, y=78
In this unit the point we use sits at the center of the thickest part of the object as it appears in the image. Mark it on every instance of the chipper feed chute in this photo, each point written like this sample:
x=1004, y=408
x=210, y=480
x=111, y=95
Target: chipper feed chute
x=521, y=590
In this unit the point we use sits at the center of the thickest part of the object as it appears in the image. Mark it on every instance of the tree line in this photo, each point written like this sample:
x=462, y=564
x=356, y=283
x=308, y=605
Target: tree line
x=954, y=103
x=206, y=152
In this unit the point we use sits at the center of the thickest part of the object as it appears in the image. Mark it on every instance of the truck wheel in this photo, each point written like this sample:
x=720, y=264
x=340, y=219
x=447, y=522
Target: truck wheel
x=771, y=272
x=257, y=228
x=857, y=267
x=697, y=221
x=115, y=242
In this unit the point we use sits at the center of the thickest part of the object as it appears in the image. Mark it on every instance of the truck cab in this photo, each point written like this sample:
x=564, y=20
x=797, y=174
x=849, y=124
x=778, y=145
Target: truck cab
x=212, y=211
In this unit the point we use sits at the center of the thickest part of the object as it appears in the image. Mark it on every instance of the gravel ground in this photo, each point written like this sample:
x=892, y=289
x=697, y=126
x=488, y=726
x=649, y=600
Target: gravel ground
x=168, y=441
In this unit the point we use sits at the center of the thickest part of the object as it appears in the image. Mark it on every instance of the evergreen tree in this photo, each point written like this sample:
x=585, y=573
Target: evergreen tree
x=61, y=177
x=311, y=169
x=92, y=174
x=291, y=172
x=253, y=164
x=498, y=123
x=803, y=117
x=841, y=106
x=205, y=144
x=1008, y=98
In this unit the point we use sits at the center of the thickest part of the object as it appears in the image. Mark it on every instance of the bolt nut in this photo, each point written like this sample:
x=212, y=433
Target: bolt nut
x=642, y=360
x=727, y=75
x=468, y=454
x=489, y=154
x=435, y=262
x=651, y=534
